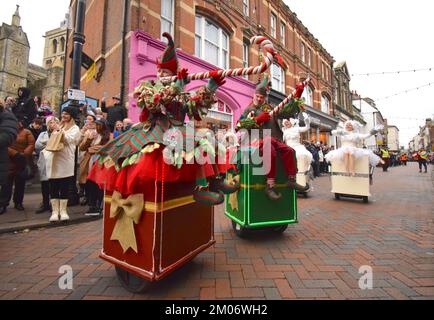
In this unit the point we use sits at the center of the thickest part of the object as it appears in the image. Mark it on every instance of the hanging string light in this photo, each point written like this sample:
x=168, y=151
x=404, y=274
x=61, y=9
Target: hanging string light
x=391, y=72
x=405, y=91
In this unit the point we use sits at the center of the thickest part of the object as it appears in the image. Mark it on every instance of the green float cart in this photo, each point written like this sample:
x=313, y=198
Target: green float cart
x=250, y=209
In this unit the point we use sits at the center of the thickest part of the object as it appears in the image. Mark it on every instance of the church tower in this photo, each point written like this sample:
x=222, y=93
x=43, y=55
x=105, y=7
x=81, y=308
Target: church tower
x=14, y=56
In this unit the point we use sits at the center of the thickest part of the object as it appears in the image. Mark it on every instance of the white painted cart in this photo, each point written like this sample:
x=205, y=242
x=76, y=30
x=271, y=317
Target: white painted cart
x=303, y=176
x=345, y=185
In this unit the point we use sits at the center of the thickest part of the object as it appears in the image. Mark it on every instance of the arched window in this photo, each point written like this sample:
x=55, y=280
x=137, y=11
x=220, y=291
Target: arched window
x=62, y=44
x=54, y=47
x=212, y=43
x=325, y=104
x=308, y=96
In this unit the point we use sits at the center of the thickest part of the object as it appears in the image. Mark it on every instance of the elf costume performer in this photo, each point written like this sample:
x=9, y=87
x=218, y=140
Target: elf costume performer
x=161, y=139
x=257, y=116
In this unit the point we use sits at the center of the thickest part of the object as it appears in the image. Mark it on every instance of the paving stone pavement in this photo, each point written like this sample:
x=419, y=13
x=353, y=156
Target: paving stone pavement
x=319, y=258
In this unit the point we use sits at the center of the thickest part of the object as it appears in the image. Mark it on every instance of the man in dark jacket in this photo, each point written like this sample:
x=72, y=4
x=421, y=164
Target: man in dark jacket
x=25, y=107
x=117, y=112
x=8, y=134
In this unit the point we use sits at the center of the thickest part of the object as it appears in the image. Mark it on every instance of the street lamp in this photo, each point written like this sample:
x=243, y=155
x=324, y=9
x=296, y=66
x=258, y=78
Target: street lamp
x=79, y=40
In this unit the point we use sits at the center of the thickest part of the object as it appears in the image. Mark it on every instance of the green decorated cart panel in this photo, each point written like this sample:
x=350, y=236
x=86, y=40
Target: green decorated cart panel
x=251, y=208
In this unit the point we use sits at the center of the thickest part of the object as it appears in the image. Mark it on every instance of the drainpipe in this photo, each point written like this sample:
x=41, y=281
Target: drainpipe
x=123, y=63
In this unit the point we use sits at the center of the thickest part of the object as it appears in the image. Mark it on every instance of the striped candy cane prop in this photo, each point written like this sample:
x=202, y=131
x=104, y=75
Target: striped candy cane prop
x=287, y=99
x=269, y=55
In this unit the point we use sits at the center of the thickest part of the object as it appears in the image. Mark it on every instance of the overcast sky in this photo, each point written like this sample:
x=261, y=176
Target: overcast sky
x=377, y=36
x=371, y=35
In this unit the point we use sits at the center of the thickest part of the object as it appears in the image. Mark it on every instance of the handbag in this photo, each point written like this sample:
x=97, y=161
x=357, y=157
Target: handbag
x=55, y=142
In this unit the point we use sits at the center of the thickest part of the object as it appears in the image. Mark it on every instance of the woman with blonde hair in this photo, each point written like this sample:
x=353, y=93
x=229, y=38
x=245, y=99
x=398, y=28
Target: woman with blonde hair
x=60, y=165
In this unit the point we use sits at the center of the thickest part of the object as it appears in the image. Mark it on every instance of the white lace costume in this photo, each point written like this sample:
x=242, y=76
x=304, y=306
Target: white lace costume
x=350, y=140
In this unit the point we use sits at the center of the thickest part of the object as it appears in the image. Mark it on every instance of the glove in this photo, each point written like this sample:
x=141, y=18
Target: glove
x=215, y=81
x=299, y=88
x=263, y=117
x=182, y=74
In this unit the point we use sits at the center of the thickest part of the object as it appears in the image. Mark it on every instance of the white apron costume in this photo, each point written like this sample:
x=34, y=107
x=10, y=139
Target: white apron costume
x=350, y=141
x=291, y=136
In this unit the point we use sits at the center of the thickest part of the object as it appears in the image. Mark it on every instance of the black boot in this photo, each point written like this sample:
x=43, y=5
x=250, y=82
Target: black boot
x=3, y=209
x=19, y=207
x=43, y=208
x=294, y=185
x=272, y=193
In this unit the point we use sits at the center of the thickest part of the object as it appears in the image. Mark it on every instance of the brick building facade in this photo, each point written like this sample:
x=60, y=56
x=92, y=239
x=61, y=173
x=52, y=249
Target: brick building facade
x=214, y=31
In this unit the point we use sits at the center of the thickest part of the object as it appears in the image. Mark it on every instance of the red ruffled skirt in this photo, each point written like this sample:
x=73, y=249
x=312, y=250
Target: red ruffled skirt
x=151, y=167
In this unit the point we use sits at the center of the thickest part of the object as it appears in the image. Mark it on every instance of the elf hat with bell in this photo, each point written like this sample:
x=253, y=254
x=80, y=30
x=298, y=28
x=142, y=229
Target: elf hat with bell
x=168, y=59
x=264, y=86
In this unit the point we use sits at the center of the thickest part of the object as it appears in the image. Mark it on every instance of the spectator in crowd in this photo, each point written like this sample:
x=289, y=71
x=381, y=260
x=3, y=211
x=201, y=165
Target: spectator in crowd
x=91, y=144
x=45, y=109
x=8, y=134
x=127, y=124
x=25, y=108
x=60, y=165
x=422, y=159
x=321, y=157
x=36, y=127
x=10, y=104
x=315, y=162
x=116, y=112
x=385, y=156
x=52, y=125
x=119, y=126
x=20, y=153
x=89, y=128
x=324, y=164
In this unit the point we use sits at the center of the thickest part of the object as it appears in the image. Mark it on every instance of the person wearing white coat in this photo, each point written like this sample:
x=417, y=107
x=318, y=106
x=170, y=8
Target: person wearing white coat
x=60, y=165
x=52, y=125
x=349, y=152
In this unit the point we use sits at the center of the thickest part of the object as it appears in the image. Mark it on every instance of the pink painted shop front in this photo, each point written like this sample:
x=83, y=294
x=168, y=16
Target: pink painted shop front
x=233, y=97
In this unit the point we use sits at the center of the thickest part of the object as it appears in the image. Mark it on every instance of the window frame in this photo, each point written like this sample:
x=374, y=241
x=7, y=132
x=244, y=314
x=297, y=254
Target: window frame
x=303, y=51
x=325, y=98
x=281, y=79
x=282, y=33
x=246, y=8
x=309, y=57
x=246, y=49
x=305, y=95
x=166, y=19
x=220, y=45
x=273, y=29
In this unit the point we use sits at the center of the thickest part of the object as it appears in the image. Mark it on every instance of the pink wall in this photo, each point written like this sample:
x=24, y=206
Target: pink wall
x=236, y=92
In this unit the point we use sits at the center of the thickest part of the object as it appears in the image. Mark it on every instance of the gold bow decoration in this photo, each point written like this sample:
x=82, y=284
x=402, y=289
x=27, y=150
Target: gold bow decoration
x=127, y=211
x=233, y=197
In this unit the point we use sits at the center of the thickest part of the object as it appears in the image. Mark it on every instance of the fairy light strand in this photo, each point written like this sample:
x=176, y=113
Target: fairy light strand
x=391, y=72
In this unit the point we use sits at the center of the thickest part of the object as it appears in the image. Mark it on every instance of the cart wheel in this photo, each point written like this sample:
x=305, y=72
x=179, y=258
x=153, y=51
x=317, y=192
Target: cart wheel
x=239, y=230
x=365, y=199
x=281, y=229
x=337, y=196
x=131, y=282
